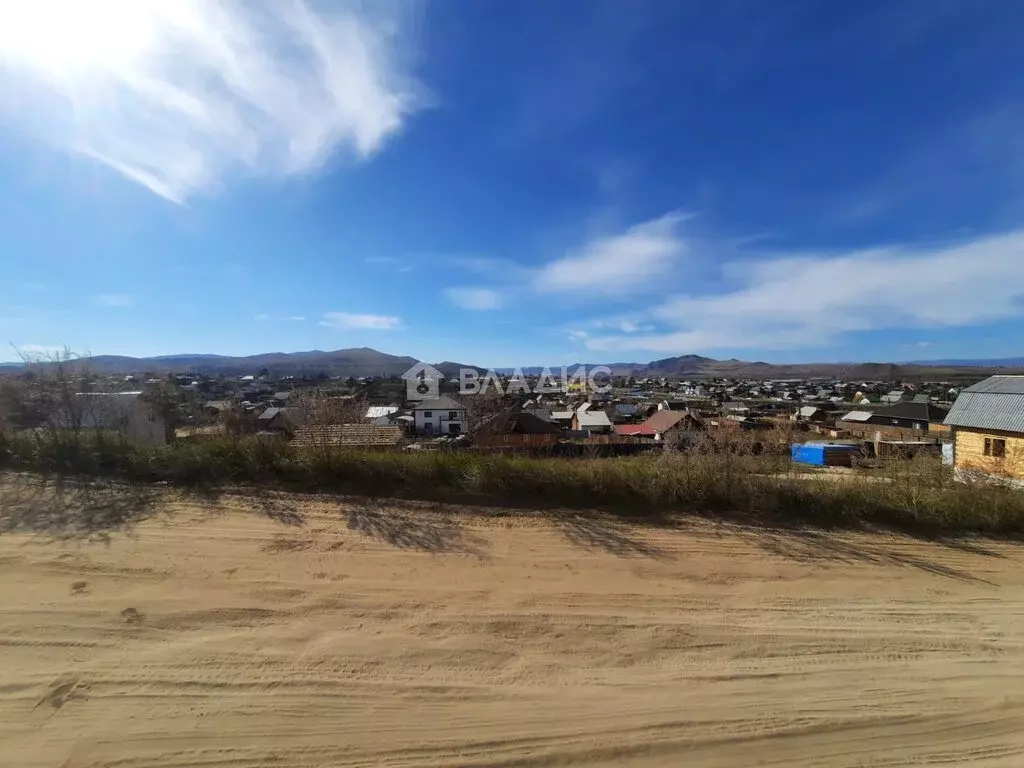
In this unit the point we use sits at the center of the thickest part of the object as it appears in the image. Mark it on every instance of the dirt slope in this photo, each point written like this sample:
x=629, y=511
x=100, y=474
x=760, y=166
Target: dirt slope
x=294, y=632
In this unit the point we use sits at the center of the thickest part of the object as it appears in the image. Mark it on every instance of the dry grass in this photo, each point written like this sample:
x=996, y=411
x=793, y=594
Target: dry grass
x=723, y=480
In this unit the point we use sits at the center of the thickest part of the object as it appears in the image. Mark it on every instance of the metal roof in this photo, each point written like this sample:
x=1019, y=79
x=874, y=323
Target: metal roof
x=857, y=416
x=593, y=419
x=630, y=430
x=1002, y=384
x=988, y=410
x=914, y=410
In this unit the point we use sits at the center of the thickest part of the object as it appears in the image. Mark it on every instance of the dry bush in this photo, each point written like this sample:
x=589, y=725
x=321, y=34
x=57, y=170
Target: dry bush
x=918, y=495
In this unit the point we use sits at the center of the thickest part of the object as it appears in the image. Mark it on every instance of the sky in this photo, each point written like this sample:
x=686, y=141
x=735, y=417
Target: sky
x=527, y=183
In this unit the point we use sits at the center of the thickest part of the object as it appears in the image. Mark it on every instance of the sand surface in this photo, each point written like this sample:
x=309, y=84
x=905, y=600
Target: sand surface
x=141, y=630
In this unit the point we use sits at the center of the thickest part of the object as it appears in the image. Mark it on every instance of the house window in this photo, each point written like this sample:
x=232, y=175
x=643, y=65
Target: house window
x=428, y=414
x=995, y=447
x=453, y=415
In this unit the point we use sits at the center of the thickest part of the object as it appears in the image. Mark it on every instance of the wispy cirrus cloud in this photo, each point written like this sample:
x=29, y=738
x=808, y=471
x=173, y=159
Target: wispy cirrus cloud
x=264, y=317
x=114, y=300
x=475, y=298
x=794, y=301
x=346, y=321
x=391, y=262
x=617, y=264
x=177, y=95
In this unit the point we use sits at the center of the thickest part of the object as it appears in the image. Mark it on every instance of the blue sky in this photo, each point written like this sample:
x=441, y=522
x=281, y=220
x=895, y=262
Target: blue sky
x=514, y=183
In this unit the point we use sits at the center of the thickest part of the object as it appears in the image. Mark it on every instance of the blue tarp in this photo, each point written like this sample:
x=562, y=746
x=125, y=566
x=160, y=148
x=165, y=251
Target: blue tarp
x=814, y=453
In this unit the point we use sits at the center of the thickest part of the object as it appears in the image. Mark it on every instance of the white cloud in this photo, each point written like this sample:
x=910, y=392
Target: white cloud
x=578, y=335
x=297, y=318
x=260, y=318
x=632, y=326
x=346, y=321
x=803, y=301
x=474, y=298
x=114, y=300
x=617, y=264
x=174, y=94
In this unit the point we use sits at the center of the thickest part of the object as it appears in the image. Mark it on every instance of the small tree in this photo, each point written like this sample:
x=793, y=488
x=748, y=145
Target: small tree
x=167, y=400
x=53, y=385
x=484, y=408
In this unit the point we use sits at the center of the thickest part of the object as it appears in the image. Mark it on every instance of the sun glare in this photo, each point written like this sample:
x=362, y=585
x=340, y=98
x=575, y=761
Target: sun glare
x=69, y=39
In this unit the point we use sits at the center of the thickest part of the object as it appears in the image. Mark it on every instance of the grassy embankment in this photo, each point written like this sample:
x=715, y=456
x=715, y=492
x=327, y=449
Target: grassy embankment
x=917, y=495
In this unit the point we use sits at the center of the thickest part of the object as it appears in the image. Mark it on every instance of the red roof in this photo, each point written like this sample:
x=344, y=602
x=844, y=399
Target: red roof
x=632, y=430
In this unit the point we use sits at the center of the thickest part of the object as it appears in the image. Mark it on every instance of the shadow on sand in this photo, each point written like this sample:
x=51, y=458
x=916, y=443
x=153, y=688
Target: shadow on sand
x=423, y=527
x=65, y=508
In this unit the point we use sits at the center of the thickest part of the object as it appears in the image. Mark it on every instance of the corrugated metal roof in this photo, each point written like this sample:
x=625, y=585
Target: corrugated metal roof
x=988, y=410
x=630, y=430
x=1002, y=384
x=857, y=416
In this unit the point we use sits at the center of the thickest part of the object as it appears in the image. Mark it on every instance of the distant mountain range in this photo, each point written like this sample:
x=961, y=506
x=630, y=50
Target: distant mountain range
x=365, y=361
x=1003, y=362
x=342, y=362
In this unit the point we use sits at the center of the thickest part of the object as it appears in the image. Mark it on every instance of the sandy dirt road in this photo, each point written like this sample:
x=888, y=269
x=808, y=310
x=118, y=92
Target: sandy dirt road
x=287, y=631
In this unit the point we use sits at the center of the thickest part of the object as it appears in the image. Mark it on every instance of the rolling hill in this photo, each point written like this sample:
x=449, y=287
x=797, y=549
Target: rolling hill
x=364, y=361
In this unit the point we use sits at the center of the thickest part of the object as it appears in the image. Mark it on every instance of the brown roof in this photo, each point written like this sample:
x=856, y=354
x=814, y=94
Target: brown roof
x=348, y=434
x=531, y=424
x=521, y=422
x=662, y=421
